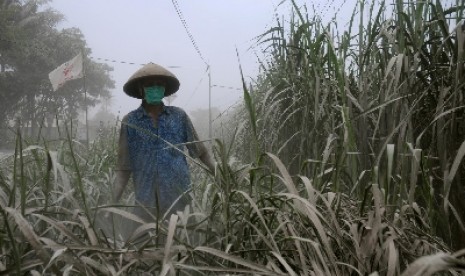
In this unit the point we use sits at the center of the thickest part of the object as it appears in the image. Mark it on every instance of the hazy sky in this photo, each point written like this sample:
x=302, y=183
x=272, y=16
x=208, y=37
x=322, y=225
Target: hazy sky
x=142, y=31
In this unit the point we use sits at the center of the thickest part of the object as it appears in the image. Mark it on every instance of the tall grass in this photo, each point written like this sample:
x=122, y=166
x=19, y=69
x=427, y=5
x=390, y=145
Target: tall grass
x=349, y=163
x=382, y=105
x=246, y=219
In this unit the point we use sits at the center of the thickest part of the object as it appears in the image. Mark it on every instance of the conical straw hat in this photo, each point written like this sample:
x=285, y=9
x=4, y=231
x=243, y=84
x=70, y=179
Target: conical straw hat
x=151, y=70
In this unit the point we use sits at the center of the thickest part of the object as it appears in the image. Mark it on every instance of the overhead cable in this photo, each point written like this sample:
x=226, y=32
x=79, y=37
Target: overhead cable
x=226, y=110
x=198, y=85
x=226, y=87
x=186, y=27
x=91, y=57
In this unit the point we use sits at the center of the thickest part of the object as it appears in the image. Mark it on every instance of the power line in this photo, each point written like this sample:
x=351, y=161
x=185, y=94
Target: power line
x=226, y=87
x=198, y=85
x=21, y=43
x=340, y=7
x=131, y=63
x=189, y=34
x=226, y=110
x=328, y=6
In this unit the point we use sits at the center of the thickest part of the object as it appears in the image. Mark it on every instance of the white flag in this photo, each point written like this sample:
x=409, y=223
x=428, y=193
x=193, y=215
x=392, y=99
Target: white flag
x=67, y=71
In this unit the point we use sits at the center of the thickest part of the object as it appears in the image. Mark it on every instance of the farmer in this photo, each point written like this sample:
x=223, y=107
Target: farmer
x=152, y=145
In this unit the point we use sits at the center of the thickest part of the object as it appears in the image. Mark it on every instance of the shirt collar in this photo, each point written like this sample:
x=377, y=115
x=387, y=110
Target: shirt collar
x=140, y=111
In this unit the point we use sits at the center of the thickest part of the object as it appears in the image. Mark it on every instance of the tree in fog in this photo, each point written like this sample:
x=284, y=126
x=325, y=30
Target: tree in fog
x=30, y=47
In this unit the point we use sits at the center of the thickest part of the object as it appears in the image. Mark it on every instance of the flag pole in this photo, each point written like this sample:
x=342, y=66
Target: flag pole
x=85, y=96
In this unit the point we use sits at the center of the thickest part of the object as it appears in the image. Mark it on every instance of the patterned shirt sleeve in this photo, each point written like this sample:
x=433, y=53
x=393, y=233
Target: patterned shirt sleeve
x=123, y=163
x=195, y=148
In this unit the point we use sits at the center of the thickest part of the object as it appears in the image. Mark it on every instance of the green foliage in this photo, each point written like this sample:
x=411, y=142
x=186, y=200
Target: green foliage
x=30, y=48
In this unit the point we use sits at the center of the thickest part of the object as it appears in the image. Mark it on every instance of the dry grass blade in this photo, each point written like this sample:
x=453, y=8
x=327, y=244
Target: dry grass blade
x=323, y=263
x=379, y=204
x=67, y=270
x=457, y=160
x=284, y=263
x=26, y=266
x=390, y=157
x=414, y=174
x=141, y=229
x=29, y=234
x=302, y=254
x=126, y=267
x=62, y=252
x=311, y=192
x=54, y=256
x=167, y=266
x=59, y=226
x=166, y=269
x=262, y=220
x=220, y=254
x=456, y=215
x=428, y=265
x=3, y=199
x=124, y=214
x=89, y=230
x=353, y=268
x=146, y=255
x=329, y=211
x=59, y=171
x=314, y=216
x=285, y=174
x=221, y=270
x=95, y=265
x=392, y=258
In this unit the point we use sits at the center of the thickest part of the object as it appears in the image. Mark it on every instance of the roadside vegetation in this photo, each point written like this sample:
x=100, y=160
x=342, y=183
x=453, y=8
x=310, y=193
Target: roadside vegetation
x=345, y=159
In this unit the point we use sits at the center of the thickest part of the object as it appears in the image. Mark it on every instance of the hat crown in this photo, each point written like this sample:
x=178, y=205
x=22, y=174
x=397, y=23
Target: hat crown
x=147, y=71
x=151, y=69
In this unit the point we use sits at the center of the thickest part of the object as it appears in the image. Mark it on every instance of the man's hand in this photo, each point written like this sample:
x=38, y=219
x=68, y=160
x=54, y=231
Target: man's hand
x=207, y=160
x=121, y=181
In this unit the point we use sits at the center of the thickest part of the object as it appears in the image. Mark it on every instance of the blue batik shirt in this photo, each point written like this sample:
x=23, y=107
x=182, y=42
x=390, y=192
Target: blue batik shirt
x=155, y=154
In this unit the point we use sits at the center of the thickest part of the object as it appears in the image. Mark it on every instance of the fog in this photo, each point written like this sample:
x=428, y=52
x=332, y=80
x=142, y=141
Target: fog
x=151, y=31
x=143, y=31
x=202, y=42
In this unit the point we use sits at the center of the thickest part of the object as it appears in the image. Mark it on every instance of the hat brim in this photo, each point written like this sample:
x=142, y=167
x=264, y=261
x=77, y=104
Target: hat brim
x=131, y=88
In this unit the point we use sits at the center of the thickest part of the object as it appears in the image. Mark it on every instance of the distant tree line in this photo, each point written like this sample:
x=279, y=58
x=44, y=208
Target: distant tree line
x=31, y=46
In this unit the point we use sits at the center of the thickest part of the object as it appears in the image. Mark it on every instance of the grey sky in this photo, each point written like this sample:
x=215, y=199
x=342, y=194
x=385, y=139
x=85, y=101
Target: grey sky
x=141, y=31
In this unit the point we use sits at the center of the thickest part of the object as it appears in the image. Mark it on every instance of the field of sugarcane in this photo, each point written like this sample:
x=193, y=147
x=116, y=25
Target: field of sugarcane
x=346, y=158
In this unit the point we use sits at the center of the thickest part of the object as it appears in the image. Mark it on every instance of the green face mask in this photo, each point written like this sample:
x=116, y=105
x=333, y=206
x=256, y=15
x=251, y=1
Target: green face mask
x=154, y=94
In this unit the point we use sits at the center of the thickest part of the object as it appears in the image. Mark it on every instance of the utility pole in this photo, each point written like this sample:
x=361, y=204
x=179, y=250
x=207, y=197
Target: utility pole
x=209, y=103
